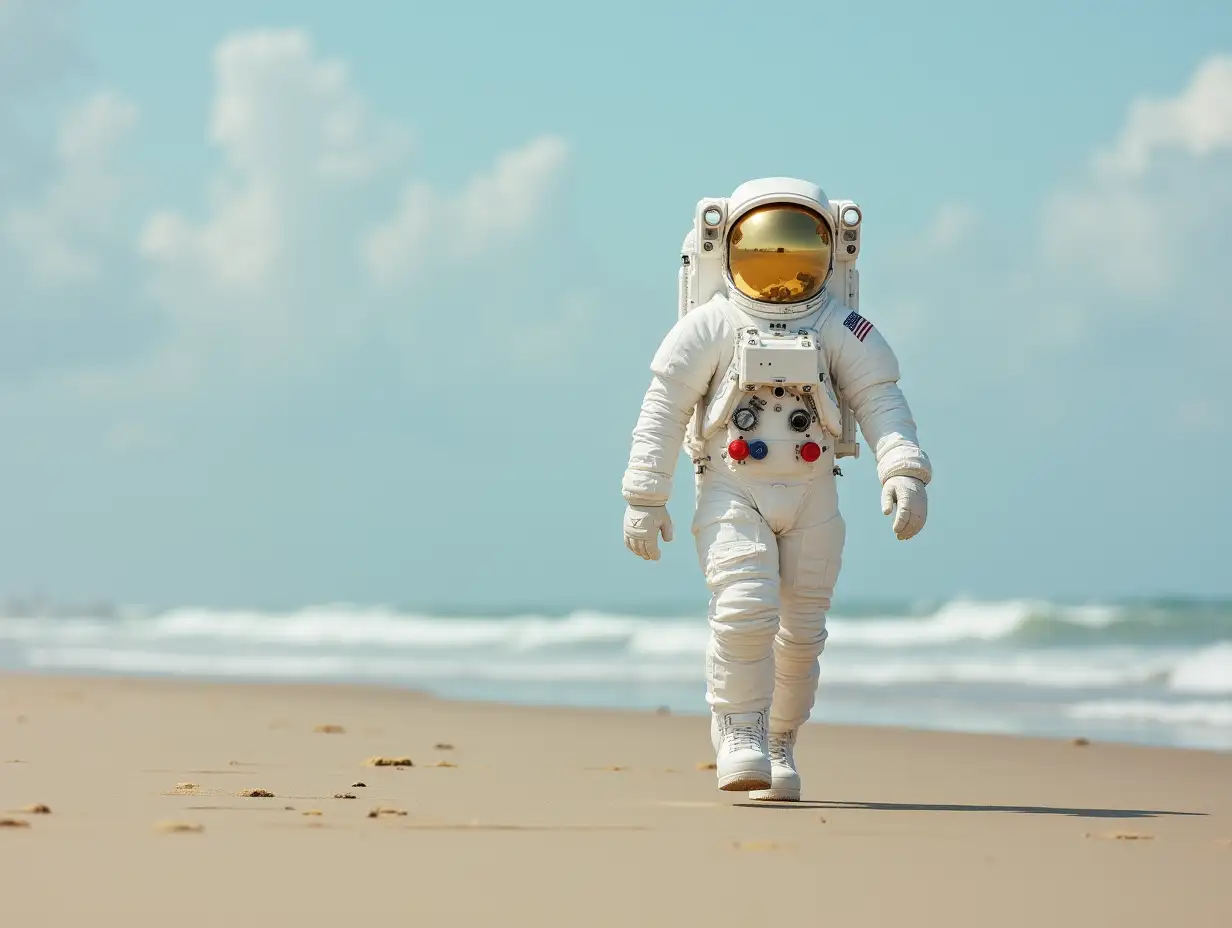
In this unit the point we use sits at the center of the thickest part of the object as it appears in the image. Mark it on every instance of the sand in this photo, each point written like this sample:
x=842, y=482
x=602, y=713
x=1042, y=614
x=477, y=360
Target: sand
x=186, y=804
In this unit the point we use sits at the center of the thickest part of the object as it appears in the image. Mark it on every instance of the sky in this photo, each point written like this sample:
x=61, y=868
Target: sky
x=307, y=302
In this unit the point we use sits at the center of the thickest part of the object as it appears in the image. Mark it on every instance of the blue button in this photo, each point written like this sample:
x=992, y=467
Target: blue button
x=758, y=449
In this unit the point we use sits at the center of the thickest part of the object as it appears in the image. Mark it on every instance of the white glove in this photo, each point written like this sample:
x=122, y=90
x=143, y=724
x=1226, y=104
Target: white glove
x=642, y=527
x=905, y=496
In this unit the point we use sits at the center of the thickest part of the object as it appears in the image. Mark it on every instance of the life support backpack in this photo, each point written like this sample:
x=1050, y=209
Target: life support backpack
x=701, y=277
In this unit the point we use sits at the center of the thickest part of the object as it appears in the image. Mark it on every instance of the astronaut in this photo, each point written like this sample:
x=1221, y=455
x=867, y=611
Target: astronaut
x=768, y=530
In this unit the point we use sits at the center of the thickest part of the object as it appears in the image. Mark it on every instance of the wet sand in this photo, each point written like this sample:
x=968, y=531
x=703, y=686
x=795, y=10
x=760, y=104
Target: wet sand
x=153, y=810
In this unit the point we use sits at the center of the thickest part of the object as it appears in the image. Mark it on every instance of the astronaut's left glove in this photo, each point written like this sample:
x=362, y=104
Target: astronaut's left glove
x=908, y=500
x=642, y=527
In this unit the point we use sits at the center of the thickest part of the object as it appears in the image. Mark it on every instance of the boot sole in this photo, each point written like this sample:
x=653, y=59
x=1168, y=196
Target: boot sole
x=743, y=782
x=775, y=795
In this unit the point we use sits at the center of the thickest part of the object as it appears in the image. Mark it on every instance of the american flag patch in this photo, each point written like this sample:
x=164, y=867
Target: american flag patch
x=858, y=324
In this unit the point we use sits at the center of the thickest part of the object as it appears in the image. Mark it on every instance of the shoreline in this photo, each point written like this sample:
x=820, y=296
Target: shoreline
x=560, y=815
x=1086, y=733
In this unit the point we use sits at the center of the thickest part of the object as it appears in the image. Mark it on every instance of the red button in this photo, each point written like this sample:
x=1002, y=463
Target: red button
x=738, y=450
x=810, y=451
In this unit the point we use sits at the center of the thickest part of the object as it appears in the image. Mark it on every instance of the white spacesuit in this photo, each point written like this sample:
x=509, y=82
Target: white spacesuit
x=759, y=368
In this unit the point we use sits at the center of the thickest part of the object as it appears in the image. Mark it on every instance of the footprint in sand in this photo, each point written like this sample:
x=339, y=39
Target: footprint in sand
x=174, y=827
x=760, y=846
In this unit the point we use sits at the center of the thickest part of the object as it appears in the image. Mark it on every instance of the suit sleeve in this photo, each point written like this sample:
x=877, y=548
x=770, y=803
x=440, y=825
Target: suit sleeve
x=865, y=369
x=681, y=372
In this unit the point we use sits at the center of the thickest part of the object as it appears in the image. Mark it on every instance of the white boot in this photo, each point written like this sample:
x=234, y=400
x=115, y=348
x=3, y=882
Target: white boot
x=741, y=750
x=785, y=779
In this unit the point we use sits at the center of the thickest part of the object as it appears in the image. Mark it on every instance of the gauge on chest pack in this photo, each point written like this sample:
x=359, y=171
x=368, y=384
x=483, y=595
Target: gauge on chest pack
x=745, y=419
x=799, y=420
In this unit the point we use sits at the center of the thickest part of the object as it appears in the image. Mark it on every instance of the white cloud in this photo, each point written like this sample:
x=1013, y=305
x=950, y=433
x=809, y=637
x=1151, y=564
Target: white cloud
x=296, y=258
x=63, y=235
x=130, y=314
x=295, y=138
x=1138, y=224
x=1141, y=230
x=1118, y=290
x=493, y=210
x=1198, y=123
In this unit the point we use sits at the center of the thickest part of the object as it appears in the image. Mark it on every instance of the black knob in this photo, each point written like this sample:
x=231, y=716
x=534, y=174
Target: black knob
x=799, y=420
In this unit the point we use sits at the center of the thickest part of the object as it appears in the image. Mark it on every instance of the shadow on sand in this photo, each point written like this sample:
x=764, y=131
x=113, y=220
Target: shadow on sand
x=939, y=807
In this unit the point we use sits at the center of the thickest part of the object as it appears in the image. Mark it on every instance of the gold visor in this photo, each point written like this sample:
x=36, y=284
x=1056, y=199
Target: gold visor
x=779, y=253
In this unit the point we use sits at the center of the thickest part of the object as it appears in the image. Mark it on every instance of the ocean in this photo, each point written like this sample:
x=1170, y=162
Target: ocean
x=1157, y=672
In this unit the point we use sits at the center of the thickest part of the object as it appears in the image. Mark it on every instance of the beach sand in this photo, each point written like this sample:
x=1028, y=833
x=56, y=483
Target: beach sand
x=547, y=817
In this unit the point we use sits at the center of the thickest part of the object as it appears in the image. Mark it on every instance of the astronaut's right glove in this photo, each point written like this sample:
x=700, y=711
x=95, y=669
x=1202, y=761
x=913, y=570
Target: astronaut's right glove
x=643, y=525
x=908, y=500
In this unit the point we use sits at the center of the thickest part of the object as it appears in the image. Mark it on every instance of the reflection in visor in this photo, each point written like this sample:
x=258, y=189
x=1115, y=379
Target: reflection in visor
x=779, y=253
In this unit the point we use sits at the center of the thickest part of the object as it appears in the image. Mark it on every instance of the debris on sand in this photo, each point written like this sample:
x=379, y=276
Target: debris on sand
x=379, y=811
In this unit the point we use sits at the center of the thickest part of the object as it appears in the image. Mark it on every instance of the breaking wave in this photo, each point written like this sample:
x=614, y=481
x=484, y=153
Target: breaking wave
x=1169, y=713
x=1024, y=623
x=1155, y=671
